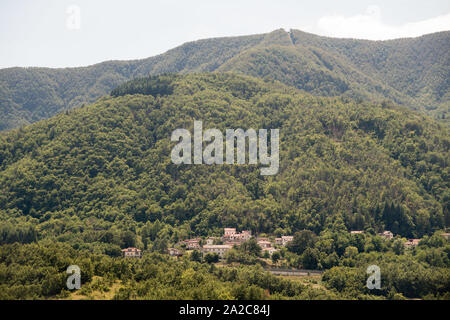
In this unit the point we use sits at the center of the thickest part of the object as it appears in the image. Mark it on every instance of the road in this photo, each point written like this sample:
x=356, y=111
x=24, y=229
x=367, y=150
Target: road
x=293, y=272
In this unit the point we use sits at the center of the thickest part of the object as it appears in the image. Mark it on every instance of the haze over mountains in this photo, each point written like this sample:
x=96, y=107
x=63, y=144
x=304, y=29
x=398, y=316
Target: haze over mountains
x=413, y=72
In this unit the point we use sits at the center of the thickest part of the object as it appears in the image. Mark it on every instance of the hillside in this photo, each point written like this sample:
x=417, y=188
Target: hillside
x=78, y=187
x=106, y=169
x=412, y=72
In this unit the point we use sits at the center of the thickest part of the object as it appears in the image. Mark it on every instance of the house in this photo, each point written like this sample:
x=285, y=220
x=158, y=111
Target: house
x=220, y=249
x=270, y=250
x=192, y=244
x=232, y=243
x=230, y=234
x=286, y=239
x=210, y=241
x=410, y=243
x=175, y=252
x=445, y=235
x=264, y=244
x=386, y=234
x=229, y=231
x=246, y=235
x=357, y=232
x=131, y=253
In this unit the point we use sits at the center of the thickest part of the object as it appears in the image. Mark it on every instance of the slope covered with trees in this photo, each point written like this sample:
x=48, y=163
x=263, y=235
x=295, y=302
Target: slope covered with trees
x=103, y=174
x=413, y=72
x=78, y=187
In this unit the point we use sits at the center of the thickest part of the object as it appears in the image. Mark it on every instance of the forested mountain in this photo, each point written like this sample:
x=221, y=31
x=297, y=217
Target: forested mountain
x=413, y=72
x=107, y=166
x=78, y=187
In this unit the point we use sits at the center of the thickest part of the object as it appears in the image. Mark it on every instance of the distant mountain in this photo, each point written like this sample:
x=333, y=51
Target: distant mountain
x=412, y=72
x=105, y=168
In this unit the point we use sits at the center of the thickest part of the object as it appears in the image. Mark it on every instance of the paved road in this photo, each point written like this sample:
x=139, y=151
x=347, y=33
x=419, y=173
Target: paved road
x=294, y=272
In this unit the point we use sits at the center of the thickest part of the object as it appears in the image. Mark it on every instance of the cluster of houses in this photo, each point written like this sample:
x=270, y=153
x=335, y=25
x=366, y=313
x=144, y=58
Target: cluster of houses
x=388, y=235
x=229, y=239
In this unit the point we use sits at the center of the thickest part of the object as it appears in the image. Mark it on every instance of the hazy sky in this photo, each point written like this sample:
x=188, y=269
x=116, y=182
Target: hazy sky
x=60, y=33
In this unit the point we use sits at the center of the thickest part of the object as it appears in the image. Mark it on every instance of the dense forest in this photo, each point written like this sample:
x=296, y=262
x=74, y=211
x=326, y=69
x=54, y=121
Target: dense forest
x=412, y=72
x=38, y=270
x=82, y=185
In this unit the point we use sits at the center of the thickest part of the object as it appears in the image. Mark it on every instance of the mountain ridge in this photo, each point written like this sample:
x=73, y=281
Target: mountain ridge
x=345, y=67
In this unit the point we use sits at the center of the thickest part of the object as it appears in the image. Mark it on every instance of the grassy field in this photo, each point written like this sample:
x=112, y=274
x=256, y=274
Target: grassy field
x=98, y=289
x=313, y=281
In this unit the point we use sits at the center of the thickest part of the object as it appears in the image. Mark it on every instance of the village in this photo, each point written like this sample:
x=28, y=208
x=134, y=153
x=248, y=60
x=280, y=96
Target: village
x=231, y=238
x=218, y=245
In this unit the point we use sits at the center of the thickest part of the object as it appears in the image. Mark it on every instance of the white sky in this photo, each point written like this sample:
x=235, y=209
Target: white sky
x=47, y=33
